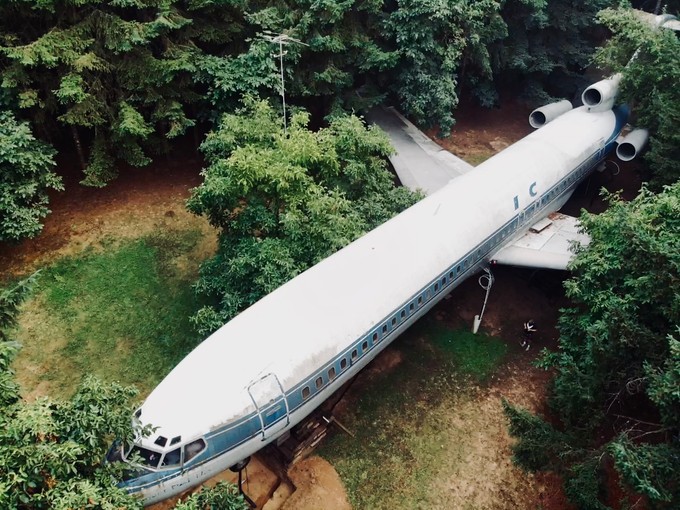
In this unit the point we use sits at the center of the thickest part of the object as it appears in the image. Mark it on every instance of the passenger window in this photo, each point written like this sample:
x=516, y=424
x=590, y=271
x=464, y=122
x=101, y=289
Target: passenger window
x=375, y=337
x=318, y=382
x=420, y=300
x=306, y=391
x=193, y=449
x=343, y=363
x=364, y=346
x=355, y=354
x=394, y=321
x=443, y=281
x=403, y=314
x=384, y=328
x=411, y=307
x=331, y=373
x=171, y=458
x=450, y=274
x=436, y=287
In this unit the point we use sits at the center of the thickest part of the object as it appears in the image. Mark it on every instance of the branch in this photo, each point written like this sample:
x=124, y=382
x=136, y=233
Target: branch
x=638, y=421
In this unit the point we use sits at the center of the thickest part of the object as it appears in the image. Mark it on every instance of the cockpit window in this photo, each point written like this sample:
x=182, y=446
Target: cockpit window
x=161, y=441
x=149, y=457
x=171, y=458
x=192, y=449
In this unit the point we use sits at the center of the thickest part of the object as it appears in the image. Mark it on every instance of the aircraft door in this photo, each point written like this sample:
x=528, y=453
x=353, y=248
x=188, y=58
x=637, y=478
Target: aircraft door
x=270, y=403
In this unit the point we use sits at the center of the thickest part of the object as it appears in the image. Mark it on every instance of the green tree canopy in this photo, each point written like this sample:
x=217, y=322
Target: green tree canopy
x=284, y=201
x=548, y=46
x=615, y=390
x=26, y=174
x=115, y=70
x=648, y=60
x=438, y=41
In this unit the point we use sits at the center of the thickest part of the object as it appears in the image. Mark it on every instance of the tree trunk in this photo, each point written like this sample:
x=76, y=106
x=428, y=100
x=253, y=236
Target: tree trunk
x=79, y=147
x=658, y=7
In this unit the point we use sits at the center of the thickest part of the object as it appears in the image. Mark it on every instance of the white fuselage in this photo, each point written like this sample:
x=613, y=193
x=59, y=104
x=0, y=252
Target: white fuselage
x=272, y=365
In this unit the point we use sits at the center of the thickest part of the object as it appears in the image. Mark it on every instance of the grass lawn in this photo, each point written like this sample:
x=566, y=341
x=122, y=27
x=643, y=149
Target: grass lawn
x=121, y=313
x=402, y=419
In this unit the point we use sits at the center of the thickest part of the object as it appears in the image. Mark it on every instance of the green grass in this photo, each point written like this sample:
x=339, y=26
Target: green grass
x=401, y=419
x=122, y=314
x=475, y=356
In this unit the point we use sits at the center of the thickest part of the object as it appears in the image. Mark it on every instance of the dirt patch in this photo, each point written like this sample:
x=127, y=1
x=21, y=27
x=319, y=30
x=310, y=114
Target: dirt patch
x=480, y=133
x=317, y=486
x=138, y=203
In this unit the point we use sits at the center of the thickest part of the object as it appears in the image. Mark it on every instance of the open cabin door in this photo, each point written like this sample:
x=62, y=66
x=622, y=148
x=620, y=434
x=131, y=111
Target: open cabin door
x=270, y=403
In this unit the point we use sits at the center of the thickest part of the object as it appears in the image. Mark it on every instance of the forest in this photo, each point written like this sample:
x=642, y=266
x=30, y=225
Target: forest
x=116, y=85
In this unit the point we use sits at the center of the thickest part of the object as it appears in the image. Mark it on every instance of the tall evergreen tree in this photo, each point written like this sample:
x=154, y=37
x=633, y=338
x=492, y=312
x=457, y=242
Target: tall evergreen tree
x=548, y=46
x=107, y=69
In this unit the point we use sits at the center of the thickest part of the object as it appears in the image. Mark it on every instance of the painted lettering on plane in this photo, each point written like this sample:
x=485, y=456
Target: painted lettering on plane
x=532, y=192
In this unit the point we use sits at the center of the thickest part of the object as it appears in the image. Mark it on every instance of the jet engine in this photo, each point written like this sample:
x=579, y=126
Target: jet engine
x=600, y=96
x=632, y=144
x=541, y=116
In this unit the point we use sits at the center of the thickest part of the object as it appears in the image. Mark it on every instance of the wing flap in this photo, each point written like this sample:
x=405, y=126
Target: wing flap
x=547, y=244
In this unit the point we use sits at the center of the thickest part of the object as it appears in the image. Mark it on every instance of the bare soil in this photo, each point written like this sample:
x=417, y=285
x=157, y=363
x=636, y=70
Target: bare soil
x=133, y=205
x=485, y=478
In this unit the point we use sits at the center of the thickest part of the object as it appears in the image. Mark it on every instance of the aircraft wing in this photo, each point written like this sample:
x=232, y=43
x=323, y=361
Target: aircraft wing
x=420, y=163
x=546, y=244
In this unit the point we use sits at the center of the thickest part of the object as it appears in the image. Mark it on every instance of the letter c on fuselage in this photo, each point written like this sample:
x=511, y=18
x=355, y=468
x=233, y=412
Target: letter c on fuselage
x=532, y=189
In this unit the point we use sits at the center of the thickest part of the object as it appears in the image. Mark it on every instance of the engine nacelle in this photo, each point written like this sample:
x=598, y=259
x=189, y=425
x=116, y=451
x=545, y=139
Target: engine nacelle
x=632, y=144
x=600, y=96
x=541, y=116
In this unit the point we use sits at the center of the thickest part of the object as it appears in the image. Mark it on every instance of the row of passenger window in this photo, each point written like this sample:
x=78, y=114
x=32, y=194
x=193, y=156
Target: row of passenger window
x=379, y=334
x=565, y=183
x=386, y=328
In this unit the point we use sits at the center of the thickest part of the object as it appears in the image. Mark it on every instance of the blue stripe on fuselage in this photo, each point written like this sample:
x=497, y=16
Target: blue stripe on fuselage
x=621, y=112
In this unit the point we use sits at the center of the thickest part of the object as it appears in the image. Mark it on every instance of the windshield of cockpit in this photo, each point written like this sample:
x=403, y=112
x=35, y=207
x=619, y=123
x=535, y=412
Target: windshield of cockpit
x=156, y=459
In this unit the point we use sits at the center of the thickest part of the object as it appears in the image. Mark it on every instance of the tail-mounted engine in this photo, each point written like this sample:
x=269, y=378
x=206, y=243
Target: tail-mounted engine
x=541, y=116
x=600, y=96
x=632, y=144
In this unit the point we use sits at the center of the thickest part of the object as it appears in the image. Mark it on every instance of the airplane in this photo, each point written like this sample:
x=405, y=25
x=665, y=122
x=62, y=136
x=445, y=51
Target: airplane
x=268, y=368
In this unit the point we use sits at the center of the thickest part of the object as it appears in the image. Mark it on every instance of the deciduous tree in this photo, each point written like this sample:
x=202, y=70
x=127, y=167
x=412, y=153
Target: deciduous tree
x=285, y=200
x=26, y=175
x=647, y=57
x=438, y=42
x=615, y=390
